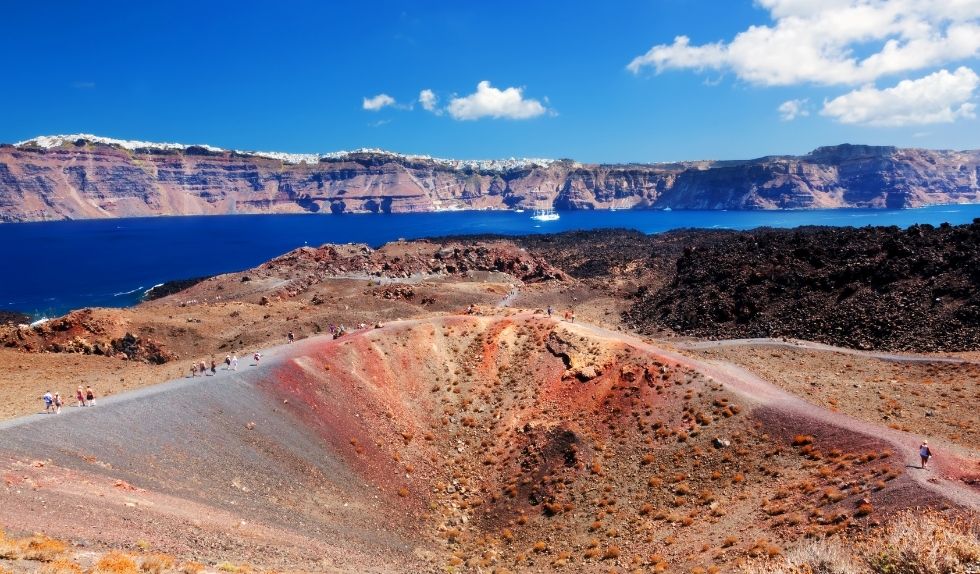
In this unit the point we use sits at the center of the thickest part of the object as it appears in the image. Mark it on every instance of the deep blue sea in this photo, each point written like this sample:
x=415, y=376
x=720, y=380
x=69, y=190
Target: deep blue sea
x=52, y=267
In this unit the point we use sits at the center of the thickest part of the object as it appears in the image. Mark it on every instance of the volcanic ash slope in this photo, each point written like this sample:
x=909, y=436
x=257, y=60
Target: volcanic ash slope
x=495, y=443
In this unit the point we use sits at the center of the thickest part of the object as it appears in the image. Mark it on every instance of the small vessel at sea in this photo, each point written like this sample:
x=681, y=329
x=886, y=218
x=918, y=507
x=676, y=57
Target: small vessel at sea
x=545, y=215
x=518, y=211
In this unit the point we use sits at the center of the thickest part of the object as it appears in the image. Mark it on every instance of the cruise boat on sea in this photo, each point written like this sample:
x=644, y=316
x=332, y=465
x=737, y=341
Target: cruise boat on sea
x=545, y=215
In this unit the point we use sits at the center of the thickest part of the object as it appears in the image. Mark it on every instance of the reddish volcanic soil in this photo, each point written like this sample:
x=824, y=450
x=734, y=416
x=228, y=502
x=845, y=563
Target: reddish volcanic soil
x=509, y=442
x=930, y=395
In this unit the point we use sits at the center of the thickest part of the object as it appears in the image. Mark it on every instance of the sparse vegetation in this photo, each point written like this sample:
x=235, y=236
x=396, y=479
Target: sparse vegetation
x=115, y=563
x=914, y=543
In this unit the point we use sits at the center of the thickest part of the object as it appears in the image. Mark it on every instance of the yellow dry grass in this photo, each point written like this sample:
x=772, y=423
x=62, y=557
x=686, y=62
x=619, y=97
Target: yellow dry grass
x=156, y=563
x=914, y=543
x=115, y=563
x=37, y=547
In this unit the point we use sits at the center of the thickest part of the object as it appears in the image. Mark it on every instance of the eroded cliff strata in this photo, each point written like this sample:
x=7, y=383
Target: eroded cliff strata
x=81, y=178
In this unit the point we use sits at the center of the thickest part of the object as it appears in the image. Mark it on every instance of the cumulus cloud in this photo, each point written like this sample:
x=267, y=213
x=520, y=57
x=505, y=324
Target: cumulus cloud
x=489, y=101
x=832, y=42
x=428, y=100
x=377, y=102
x=792, y=109
x=941, y=97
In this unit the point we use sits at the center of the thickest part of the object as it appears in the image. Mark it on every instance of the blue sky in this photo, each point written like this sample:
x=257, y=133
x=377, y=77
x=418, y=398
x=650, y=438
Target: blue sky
x=604, y=82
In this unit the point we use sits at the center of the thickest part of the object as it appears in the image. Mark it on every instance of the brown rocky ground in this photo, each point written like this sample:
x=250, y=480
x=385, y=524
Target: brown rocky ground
x=498, y=441
x=503, y=443
x=928, y=398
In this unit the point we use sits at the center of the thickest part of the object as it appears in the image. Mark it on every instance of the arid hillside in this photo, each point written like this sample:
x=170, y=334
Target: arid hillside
x=451, y=424
x=501, y=443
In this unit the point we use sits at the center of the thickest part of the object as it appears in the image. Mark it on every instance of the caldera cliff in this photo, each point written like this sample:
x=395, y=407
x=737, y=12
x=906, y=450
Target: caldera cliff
x=78, y=177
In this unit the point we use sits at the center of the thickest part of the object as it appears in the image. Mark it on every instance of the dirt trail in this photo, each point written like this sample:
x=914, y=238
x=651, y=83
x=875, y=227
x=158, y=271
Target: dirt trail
x=945, y=476
x=510, y=297
x=211, y=468
x=812, y=346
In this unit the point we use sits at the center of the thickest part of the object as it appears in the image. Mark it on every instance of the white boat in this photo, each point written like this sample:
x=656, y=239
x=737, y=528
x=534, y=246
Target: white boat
x=542, y=213
x=545, y=215
x=518, y=211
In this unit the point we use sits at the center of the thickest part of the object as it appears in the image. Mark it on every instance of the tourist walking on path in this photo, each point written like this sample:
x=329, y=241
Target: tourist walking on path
x=203, y=367
x=193, y=370
x=48, y=401
x=257, y=356
x=80, y=396
x=924, y=453
x=227, y=362
x=57, y=403
x=90, y=396
x=234, y=362
x=550, y=310
x=290, y=336
x=214, y=367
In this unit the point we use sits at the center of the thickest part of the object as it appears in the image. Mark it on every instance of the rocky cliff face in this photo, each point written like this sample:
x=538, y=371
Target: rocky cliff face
x=64, y=178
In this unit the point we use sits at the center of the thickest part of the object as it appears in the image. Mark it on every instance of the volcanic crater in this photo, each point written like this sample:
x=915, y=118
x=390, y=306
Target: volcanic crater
x=497, y=443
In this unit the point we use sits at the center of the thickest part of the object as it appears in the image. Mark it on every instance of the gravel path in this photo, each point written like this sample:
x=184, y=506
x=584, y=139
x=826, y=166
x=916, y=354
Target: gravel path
x=943, y=477
x=812, y=346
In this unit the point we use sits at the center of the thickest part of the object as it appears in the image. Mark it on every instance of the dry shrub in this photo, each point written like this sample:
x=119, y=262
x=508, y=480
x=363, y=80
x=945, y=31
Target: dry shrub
x=812, y=558
x=192, y=568
x=115, y=563
x=9, y=549
x=62, y=566
x=864, y=509
x=915, y=543
x=156, y=563
x=612, y=552
x=235, y=568
x=928, y=544
x=41, y=548
x=802, y=440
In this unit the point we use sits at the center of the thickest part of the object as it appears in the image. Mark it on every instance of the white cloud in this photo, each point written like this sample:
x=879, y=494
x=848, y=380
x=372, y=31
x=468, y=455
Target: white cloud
x=489, y=101
x=792, y=109
x=941, y=97
x=428, y=99
x=377, y=102
x=826, y=42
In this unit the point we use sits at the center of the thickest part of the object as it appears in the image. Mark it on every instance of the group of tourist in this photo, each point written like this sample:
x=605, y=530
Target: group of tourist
x=569, y=314
x=338, y=332
x=210, y=368
x=53, y=401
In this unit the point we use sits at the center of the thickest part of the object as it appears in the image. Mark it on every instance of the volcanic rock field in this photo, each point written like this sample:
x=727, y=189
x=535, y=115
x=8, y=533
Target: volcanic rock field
x=457, y=427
